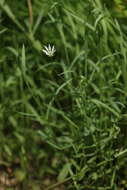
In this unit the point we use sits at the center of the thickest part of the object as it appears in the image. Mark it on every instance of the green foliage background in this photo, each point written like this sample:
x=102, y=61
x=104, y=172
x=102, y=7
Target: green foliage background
x=65, y=116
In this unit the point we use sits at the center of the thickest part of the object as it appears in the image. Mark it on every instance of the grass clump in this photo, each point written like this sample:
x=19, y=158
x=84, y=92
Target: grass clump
x=63, y=118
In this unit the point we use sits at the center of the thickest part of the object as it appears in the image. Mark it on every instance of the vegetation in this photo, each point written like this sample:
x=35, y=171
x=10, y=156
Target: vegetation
x=63, y=119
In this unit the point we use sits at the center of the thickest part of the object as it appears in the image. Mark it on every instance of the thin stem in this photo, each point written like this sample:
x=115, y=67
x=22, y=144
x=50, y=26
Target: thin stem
x=30, y=12
x=59, y=183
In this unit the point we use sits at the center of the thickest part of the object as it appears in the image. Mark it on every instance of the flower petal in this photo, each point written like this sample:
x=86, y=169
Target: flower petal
x=53, y=49
x=49, y=47
x=46, y=48
x=45, y=52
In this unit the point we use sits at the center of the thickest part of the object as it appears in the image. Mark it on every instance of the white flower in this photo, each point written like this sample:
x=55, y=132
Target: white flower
x=48, y=50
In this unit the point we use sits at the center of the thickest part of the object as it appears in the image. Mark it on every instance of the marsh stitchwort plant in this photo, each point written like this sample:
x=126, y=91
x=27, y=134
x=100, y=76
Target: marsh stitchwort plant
x=49, y=51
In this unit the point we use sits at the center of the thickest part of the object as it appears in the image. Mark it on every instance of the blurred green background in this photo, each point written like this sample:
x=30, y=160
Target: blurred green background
x=63, y=119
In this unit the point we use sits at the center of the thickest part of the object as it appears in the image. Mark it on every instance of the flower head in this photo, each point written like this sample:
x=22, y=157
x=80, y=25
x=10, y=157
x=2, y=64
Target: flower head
x=48, y=50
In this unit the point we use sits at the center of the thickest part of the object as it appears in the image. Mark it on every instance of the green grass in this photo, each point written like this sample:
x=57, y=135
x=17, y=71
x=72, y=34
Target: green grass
x=63, y=118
